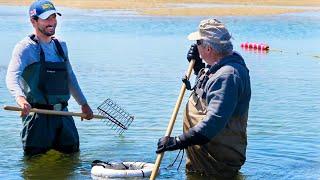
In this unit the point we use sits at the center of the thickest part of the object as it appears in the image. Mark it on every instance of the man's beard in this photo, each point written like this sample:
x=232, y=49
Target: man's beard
x=43, y=31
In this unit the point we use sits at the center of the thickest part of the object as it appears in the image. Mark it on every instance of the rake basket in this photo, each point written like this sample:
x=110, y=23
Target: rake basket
x=115, y=116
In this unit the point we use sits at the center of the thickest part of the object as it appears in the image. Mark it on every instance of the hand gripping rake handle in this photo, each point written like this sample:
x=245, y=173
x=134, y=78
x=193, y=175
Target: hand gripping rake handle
x=172, y=120
x=52, y=112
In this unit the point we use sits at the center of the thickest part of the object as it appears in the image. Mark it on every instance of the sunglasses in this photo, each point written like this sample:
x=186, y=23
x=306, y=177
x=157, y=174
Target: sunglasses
x=199, y=42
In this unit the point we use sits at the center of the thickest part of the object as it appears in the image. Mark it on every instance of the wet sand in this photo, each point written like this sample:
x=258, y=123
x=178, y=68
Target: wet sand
x=189, y=7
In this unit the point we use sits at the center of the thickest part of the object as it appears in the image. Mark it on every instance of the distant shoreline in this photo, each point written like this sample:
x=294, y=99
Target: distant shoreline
x=189, y=7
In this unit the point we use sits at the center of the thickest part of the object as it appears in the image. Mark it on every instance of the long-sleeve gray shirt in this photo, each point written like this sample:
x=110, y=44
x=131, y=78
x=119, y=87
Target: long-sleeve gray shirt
x=27, y=52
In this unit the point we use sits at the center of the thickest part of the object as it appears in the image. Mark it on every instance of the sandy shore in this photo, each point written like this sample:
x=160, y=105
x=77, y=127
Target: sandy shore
x=189, y=7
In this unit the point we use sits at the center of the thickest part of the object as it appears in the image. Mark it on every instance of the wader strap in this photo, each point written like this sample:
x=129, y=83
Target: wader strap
x=59, y=48
x=42, y=77
x=202, y=79
x=32, y=37
x=42, y=56
x=203, y=85
x=56, y=42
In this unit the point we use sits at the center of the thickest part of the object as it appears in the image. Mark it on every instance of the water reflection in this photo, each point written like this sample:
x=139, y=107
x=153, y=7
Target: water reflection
x=52, y=164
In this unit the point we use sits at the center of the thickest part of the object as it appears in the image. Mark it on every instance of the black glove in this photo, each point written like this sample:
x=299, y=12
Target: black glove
x=189, y=138
x=167, y=143
x=187, y=83
x=193, y=53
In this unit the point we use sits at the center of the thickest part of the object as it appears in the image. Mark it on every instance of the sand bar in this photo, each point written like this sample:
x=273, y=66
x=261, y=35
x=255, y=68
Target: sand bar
x=189, y=7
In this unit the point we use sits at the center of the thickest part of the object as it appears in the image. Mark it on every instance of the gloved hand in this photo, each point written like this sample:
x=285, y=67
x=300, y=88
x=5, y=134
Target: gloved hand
x=167, y=143
x=193, y=53
x=187, y=83
x=189, y=138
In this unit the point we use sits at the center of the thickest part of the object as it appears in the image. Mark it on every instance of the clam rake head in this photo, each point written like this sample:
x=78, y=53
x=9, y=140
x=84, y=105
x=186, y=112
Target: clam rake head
x=115, y=116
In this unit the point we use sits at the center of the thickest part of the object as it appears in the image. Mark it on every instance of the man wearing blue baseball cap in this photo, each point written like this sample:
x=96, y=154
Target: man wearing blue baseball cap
x=40, y=76
x=42, y=9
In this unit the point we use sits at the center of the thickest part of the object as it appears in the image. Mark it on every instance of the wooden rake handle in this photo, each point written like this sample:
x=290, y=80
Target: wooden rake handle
x=172, y=120
x=51, y=112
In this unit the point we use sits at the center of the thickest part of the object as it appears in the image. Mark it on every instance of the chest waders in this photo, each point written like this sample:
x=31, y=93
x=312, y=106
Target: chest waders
x=48, y=89
x=224, y=155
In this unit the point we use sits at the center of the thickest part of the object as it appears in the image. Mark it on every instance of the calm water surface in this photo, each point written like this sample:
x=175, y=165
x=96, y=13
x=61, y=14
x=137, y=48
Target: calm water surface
x=138, y=62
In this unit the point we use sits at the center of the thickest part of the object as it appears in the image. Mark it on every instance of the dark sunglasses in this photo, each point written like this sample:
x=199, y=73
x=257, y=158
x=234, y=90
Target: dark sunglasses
x=199, y=42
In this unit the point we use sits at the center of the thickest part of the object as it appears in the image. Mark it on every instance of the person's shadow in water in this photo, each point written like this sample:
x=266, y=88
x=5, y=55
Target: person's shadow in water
x=51, y=165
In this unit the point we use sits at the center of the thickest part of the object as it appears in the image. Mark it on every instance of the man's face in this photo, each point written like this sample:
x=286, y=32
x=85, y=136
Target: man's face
x=201, y=49
x=47, y=26
x=207, y=53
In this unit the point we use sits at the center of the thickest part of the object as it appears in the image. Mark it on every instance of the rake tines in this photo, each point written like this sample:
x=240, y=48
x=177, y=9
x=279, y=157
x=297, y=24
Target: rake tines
x=117, y=117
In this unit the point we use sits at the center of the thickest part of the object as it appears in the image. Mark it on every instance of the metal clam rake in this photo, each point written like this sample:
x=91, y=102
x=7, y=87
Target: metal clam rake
x=117, y=118
x=109, y=111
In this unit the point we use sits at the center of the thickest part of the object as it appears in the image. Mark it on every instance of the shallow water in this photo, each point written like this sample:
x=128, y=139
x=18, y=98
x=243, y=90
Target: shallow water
x=138, y=61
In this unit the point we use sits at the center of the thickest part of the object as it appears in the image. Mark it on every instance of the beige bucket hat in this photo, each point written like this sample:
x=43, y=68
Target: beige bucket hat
x=211, y=30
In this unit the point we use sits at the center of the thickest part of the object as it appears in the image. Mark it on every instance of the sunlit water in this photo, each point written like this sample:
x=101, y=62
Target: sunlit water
x=138, y=61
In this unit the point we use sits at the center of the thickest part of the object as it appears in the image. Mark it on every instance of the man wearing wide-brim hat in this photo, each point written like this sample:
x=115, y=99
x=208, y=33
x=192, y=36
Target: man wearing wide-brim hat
x=215, y=117
x=40, y=76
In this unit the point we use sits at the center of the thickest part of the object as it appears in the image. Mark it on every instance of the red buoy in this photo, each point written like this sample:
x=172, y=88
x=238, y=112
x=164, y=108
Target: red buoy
x=258, y=46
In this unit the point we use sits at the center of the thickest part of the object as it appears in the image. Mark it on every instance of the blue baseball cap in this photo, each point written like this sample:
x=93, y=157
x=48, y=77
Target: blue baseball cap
x=42, y=9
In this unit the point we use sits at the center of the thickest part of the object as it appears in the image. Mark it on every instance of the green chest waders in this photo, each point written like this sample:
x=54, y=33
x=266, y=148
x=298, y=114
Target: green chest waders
x=48, y=89
x=225, y=153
